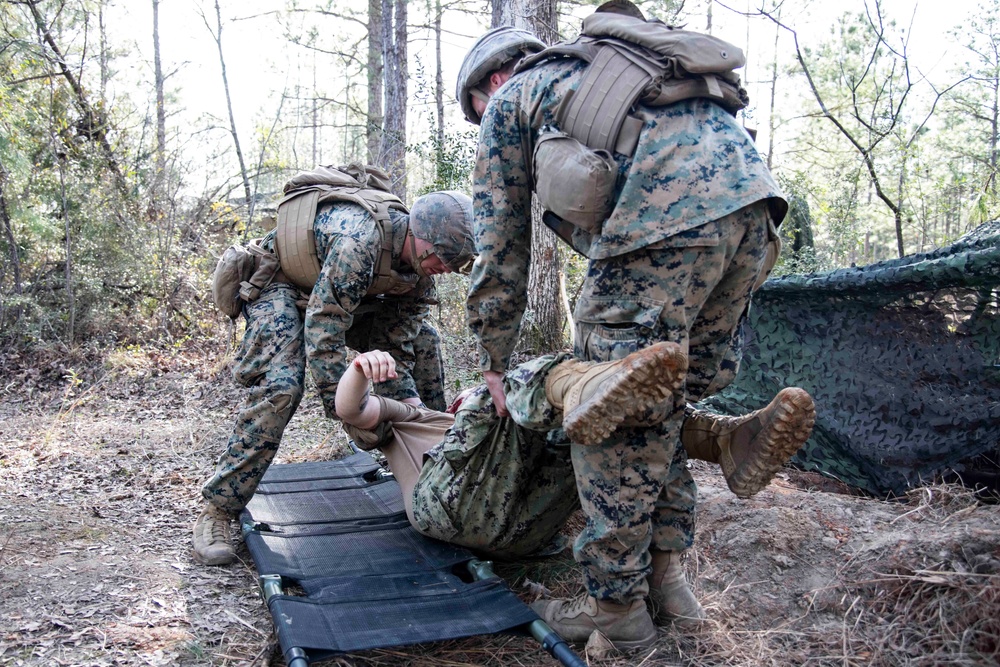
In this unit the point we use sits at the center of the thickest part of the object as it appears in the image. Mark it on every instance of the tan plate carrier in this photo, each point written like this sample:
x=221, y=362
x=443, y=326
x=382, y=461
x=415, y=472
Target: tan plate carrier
x=633, y=61
x=295, y=240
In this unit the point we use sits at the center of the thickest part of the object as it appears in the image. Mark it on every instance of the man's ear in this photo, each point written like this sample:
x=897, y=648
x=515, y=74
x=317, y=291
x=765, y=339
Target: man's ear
x=497, y=79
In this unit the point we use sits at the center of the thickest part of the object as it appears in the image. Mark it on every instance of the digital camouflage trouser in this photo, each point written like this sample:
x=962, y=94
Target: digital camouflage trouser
x=635, y=488
x=271, y=362
x=501, y=485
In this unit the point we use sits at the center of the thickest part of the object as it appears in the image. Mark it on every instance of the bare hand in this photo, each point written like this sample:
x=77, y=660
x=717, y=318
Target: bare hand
x=378, y=366
x=494, y=382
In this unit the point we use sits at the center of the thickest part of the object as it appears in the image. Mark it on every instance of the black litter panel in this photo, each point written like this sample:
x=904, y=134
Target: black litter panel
x=297, y=506
x=324, y=628
x=398, y=548
x=355, y=465
x=339, y=531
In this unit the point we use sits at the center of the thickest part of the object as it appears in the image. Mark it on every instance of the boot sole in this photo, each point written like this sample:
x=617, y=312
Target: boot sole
x=217, y=560
x=784, y=433
x=633, y=644
x=651, y=376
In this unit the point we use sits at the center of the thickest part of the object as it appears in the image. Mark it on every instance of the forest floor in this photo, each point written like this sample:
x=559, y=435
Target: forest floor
x=101, y=467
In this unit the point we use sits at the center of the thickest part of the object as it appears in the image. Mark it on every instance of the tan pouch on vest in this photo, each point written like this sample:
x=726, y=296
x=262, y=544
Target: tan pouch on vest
x=241, y=274
x=573, y=181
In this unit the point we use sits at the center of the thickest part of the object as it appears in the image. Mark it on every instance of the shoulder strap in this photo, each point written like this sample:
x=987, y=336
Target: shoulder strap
x=596, y=113
x=631, y=61
x=383, y=263
x=576, y=49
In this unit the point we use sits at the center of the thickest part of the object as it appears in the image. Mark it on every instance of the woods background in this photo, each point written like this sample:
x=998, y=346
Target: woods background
x=139, y=139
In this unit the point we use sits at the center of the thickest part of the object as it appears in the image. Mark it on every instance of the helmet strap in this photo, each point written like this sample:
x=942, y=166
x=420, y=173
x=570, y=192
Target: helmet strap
x=417, y=261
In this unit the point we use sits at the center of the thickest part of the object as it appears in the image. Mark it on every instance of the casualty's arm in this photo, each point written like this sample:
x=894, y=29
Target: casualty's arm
x=353, y=398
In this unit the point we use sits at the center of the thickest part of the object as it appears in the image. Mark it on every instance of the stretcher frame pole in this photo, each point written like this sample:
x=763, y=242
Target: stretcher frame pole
x=540, y=630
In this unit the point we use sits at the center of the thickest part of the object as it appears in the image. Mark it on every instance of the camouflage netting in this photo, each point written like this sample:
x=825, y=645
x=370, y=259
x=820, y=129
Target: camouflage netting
x=902, y=357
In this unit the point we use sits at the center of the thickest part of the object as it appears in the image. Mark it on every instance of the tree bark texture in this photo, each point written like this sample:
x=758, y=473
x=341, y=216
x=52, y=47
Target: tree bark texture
x=375, y=77
x=394, y=36
x=542, y=331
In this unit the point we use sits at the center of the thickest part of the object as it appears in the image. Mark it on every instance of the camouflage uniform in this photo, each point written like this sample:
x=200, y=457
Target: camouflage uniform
x=284, y=334
x=675, y=261
x=504, y=486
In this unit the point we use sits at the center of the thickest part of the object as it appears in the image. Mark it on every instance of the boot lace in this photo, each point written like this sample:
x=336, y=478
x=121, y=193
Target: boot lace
x=578, y=604
x=218, y=528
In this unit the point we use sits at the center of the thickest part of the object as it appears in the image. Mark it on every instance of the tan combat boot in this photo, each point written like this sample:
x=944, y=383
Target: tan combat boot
x=597, y=397
x=751, y=448
x=627, y=626
x=211, y=537
x=669, y=591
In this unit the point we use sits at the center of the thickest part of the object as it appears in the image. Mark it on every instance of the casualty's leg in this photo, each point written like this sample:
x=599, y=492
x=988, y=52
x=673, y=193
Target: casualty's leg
x=751, y=448
x=404, y=448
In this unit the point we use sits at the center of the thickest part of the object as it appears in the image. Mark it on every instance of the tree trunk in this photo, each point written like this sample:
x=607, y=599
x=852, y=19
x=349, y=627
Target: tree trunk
x=161, y=116
x=105, y=76
x=68, y=232
x=394, y=35
x=375, y=76
x=232, y=119
x=14, y=258
x=994, y=138
x=774, y=89
x=438, y=82
x=546, y=317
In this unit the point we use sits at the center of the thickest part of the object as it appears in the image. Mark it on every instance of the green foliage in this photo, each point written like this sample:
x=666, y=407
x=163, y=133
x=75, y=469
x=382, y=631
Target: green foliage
x=866, y=153
x=453, y=159
x=86, y=261
x=97, y=264
x=798, y=252
x=458, y=345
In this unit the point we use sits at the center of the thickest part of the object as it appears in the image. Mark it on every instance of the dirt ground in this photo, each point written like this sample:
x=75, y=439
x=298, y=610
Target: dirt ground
x=100, y=471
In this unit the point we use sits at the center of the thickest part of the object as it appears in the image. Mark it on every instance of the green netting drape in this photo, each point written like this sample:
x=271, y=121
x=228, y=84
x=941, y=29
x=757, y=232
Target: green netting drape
x=902, y=357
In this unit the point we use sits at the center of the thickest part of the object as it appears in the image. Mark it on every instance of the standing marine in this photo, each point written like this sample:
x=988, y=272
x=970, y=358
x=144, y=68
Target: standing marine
x=356, y=272
x=674, y=209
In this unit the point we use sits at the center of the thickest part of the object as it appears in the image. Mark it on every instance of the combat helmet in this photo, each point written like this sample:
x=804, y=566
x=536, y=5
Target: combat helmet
x=444, y=219
x=491, y=52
